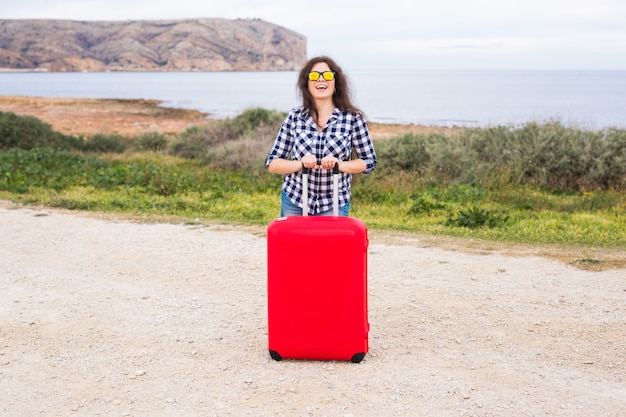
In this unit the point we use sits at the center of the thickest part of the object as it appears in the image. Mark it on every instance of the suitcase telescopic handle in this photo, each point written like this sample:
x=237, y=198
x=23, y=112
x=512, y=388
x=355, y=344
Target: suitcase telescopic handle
x=305, y=189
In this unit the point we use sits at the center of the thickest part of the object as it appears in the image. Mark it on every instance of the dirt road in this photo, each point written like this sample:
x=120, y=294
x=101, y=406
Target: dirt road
x=102, y=316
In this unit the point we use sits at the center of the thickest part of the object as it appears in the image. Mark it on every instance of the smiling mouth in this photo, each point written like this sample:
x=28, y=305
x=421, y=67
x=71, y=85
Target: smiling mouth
x=321, y=87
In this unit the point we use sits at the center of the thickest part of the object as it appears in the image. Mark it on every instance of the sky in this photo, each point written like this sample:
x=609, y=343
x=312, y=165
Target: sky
x=400, y=34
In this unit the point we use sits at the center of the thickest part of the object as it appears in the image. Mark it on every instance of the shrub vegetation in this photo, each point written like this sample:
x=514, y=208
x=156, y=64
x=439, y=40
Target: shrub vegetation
x=548, y=156
x=28, y=132
x=150, y=142
x=101, y=143
x=534, y=183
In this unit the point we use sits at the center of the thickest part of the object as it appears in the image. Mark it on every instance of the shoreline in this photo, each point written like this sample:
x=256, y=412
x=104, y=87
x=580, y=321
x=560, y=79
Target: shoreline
x=90, y=116
x=133, y=117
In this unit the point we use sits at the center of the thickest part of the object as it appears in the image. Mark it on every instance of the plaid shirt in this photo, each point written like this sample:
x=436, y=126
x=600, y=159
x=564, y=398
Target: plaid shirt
x=298, y=136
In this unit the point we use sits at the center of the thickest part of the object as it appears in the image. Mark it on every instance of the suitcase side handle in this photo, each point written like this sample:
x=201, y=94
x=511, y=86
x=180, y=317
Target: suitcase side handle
x=305, y=190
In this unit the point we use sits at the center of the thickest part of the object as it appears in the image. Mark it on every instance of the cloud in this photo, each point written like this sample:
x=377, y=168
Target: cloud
x=609, y=41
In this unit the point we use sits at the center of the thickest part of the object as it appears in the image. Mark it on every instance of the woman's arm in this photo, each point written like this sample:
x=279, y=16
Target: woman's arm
x=354, y=166
x=284, y=166
x=363, y=146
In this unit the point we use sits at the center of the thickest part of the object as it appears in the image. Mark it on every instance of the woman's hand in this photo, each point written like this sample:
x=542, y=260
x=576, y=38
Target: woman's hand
x=309, y=161
x=328, y=162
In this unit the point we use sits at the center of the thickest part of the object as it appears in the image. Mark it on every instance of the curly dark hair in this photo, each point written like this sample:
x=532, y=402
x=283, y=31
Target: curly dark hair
x=341, y=97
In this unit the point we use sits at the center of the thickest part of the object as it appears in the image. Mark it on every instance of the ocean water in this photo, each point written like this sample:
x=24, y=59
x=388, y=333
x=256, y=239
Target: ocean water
x=587, y=99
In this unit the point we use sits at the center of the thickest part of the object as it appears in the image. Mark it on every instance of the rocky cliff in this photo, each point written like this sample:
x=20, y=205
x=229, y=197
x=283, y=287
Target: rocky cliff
x=150, y=45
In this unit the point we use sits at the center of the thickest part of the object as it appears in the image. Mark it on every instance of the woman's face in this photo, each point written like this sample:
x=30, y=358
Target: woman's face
x=321, y=89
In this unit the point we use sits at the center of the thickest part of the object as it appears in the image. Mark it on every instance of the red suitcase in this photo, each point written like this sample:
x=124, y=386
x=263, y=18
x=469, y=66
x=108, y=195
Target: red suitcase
x=317, y=287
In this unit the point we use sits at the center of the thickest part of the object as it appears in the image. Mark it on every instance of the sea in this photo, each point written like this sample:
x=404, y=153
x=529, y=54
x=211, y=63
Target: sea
x=588, y=99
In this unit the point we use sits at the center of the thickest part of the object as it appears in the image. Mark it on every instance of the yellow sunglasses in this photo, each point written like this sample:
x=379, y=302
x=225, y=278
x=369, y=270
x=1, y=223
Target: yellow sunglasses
x=326, y=75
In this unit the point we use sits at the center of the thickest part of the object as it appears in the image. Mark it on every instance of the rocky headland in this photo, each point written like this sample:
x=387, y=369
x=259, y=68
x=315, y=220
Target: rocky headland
x=149, y=45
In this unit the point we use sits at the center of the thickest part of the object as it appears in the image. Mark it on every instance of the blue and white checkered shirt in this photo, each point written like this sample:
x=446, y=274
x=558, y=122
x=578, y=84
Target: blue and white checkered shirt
x=298, y=136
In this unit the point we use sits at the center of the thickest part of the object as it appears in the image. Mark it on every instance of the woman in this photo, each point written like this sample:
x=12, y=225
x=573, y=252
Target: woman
x=324, y=131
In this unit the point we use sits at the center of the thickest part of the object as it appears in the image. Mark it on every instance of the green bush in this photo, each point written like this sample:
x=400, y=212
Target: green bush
x=613, y=160
x=27, y=132
x=245, y=153
x=151, y=141
x=195, y=141
x=548, y=156
x=425, y=203
x=476, y=217
x=446, y=157
x=101, y=143
x=407, y=152
x=239, y=143
x=251, y=119
x=565, y=158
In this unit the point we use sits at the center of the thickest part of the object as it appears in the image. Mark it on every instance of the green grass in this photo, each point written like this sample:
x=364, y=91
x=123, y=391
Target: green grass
x=427, y=185
x=167, y=186
x=596, y=228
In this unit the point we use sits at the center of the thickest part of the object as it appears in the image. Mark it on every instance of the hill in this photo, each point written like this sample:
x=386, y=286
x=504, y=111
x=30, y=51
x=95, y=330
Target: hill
x=150, y=45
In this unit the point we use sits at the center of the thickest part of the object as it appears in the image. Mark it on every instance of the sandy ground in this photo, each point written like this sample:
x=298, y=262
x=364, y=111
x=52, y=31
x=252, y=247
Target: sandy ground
x=78, y=116
x=105, y=316
x=85, y=116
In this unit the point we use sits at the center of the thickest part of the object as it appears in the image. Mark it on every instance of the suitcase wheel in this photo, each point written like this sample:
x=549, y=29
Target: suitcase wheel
x=276, y=356
x=358, y=357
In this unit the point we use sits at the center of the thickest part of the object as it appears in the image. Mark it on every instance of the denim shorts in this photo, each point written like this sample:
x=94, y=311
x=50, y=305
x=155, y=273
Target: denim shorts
x=287, y=208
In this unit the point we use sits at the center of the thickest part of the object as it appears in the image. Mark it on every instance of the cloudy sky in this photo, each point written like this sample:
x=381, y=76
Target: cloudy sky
x=398, y=34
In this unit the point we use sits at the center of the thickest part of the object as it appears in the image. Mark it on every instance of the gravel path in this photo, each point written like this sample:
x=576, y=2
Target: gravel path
x=100, y=316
